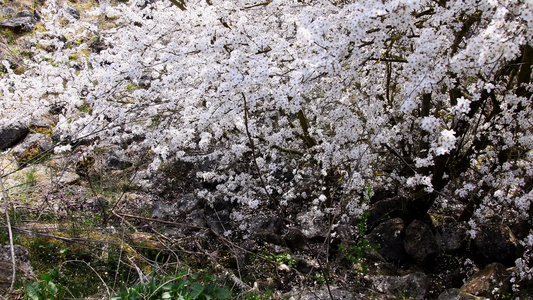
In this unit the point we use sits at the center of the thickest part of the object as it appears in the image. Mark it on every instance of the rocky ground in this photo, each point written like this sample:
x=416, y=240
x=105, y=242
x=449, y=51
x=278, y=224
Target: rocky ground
x=102, y=197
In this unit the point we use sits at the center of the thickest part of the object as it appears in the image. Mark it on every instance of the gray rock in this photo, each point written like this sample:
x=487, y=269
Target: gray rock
x=389, y=235
x=420, y=243
x=449, y=271
x=196, y=218
x=12, y=134
x=266, y=228
x=25, y=13
x=32, y=147
x=42, y=122
x=68, y=178
x=413, y=285
x=7, y=11
x=345, y=234
x=492, y=277
x=98, y=204
x=306, y=265
x=116, y=161
x=451, y=237
x=312, y=227
x=295, y=239
x=337, y=293
x=19, y=23
x=387, y=209
x=71, y=11
x=457, y=294
x=494, y=243
x=23, y=267
x=219, y=221
x=97, y=45
x=187, y=203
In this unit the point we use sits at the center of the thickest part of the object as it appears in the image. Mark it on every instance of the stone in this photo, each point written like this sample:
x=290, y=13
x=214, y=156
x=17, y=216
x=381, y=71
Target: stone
x=161, y=211
x=344, y=234
x=187, y=203
x=186, y=207
x=414, y=285
x=387, y=209
x=12, y=134
x=25, y=13
x=33, y=147
x=42, y=123
x=97, y=204
x=452, y=237
x=306, y=265
x=7, y=11
x=71, y=11
x=312, y=227
x=448, y=271
x=494, y=277
x=19, y=23
x=337, y=293
x=116, y=161
x=219, y=221
x=22, y=260
x=97, y=45
x=267, y=228
x=295, y=239
x=68, y=178
x=196, y=218
x=494, y=243
x=389, y=236
x=420, y=243
x=457, y=294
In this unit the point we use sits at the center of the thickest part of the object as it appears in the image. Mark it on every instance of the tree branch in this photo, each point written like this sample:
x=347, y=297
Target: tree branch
x=10, y=232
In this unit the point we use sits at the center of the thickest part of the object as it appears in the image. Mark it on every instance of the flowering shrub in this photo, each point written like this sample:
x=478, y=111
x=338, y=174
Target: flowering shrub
x=308, y=101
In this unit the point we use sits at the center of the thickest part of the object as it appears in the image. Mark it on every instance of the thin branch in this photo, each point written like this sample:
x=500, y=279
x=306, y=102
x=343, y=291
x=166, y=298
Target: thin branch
x=254, y=156
x=161, y=221
x=391, y=59
x=92, y=269
x=258, y=4
x=10, y=232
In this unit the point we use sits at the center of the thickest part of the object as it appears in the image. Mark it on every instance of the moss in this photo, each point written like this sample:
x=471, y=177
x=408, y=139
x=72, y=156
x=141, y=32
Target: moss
x=29, y=154
x=20, y=70
x=42, y=130
x=10, y=36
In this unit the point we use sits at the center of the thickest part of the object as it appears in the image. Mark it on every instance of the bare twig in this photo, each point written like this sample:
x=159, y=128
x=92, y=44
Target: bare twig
x=8, y=221
x=92, y=269
x=254, y=157
x=161, y=221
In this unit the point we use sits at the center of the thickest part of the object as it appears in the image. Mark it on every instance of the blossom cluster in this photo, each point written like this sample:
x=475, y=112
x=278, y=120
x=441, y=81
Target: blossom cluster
x=304, y=103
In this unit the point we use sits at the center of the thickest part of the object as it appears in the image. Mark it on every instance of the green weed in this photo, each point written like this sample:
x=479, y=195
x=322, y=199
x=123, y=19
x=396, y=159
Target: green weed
x=358, y=253
x=182, y=286
x=45, y=288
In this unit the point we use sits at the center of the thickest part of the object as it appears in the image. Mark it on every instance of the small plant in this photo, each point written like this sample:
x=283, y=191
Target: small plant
x=358, y=253
x=46, y=288
x=283, y=258
x=182, y=286
x=30, y=177
x=257, y=295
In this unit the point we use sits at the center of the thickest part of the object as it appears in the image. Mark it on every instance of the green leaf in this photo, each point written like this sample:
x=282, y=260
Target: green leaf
x=52, y=288
x=196, y=290
x=223, y=294
x=31, y=291
x=46, y=277
x=166, y=295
